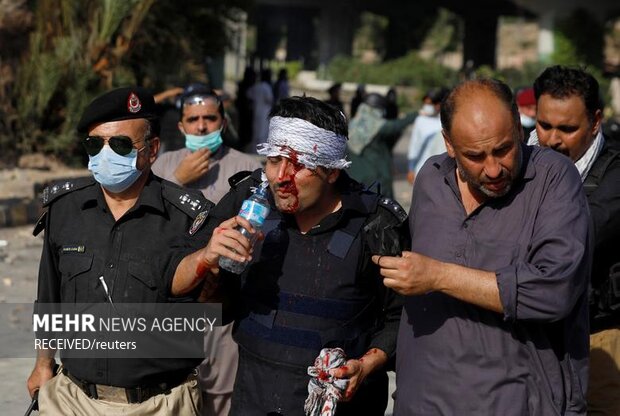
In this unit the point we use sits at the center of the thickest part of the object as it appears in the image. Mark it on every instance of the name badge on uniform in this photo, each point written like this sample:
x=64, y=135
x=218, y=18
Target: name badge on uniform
x=73, y=249
x=200, y=219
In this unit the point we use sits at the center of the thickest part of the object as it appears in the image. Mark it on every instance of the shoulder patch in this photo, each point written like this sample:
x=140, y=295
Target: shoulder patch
x=63, y=187
x=393, y=207
x=189, y=201
x=200, y=219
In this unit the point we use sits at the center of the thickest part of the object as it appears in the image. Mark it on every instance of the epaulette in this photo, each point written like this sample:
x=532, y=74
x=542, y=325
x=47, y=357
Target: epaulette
x=393, y=207
x=190, y=201
x=239, y=177
x=63, y=187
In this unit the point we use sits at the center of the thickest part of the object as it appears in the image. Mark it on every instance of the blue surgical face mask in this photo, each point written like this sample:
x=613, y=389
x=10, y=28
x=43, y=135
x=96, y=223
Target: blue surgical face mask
x=212, y=140
x=113, y=171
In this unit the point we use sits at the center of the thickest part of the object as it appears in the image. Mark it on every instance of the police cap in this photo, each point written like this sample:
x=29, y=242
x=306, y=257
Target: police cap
x=120, y=104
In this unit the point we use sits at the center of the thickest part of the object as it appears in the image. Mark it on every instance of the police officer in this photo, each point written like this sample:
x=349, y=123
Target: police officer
x=311, y=283
x=109, y=238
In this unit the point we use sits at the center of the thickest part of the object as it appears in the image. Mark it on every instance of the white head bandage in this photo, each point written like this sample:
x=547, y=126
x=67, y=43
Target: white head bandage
x=312, y=145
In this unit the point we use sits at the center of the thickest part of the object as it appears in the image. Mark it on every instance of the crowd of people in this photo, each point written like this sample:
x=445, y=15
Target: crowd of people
x=497, y=294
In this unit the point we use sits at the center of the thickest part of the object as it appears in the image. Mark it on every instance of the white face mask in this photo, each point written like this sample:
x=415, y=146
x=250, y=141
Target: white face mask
x=428, y=110
x=527, y=121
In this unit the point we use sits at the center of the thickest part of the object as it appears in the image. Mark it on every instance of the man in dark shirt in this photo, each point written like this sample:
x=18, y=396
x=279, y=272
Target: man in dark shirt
x=311, y=283
x=110, y=239
x=569, y=121
x=496, y=319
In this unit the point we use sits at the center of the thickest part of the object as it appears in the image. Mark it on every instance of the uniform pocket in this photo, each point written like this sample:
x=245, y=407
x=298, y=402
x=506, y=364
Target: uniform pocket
x=140, y=285
x=75, y=285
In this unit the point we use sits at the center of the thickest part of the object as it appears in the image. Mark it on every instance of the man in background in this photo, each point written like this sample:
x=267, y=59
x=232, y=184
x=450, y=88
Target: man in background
x=205, y=164
x=569, y=121
x=526, y=104
x=426, y=139
x=371, y=141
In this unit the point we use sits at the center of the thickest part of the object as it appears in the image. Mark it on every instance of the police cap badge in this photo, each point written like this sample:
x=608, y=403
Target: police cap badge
x=120, y=104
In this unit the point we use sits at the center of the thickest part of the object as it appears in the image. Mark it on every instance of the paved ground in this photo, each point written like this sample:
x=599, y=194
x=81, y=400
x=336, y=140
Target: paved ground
x=19, y=258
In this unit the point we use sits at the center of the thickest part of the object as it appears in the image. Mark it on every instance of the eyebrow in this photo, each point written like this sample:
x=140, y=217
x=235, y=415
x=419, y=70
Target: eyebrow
x=209, y=117
x=545, y=123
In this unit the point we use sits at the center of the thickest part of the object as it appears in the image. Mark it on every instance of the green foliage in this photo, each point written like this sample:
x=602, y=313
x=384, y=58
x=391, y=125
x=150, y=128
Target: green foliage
x=410, y=70
x=292, y=68
x=446, y=33
x=77, y=50
x=370, y=34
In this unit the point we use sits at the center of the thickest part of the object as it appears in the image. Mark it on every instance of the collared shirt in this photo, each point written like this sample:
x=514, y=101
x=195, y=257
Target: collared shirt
x=222, y=165
x=585, y=162
x=457, y=358
x=136, y=256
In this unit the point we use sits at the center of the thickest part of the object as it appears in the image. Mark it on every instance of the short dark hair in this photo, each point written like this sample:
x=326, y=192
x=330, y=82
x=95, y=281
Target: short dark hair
x=314, y=111
x=498, y=88
x=436, y=95
x=562, y=82
x=153, y=128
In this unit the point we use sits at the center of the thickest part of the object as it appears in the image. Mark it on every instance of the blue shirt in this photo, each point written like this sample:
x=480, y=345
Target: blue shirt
x=455, y=358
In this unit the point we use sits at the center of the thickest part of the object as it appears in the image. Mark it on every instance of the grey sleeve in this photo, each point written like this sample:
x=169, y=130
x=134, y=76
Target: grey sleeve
x=164, y=167
x=545, y=283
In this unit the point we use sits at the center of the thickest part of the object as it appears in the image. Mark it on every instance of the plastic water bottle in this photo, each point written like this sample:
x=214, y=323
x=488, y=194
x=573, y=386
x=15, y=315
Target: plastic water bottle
x=254, y=209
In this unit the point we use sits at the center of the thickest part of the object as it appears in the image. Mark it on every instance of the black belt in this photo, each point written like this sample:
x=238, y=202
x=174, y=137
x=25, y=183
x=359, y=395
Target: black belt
x=132, y=394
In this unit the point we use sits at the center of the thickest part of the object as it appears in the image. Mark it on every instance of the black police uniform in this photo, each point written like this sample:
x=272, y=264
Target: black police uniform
x=303, y=292
x=136, y=256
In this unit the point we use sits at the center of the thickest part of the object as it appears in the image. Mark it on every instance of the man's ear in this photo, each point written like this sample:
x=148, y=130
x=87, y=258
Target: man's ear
x=333, y=175
x=180, y=126
x=448, y=143
x=154, y=145
x=598, y=119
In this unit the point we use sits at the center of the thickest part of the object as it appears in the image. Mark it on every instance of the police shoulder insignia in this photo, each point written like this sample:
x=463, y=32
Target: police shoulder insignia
x=189, y=201
x=192, y=203
x=200, y=219
x=62, y=187
x=394, y=207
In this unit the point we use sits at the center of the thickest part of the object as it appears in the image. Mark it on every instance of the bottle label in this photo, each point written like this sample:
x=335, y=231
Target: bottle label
x=254, y=212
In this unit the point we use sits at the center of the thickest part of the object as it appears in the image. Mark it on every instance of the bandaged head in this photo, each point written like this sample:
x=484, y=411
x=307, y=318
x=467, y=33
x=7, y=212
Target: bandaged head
x=308, y=144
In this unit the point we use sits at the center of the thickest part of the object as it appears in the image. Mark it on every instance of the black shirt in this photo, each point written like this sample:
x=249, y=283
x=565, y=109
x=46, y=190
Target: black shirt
x=136, y=255
x=604, y=204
